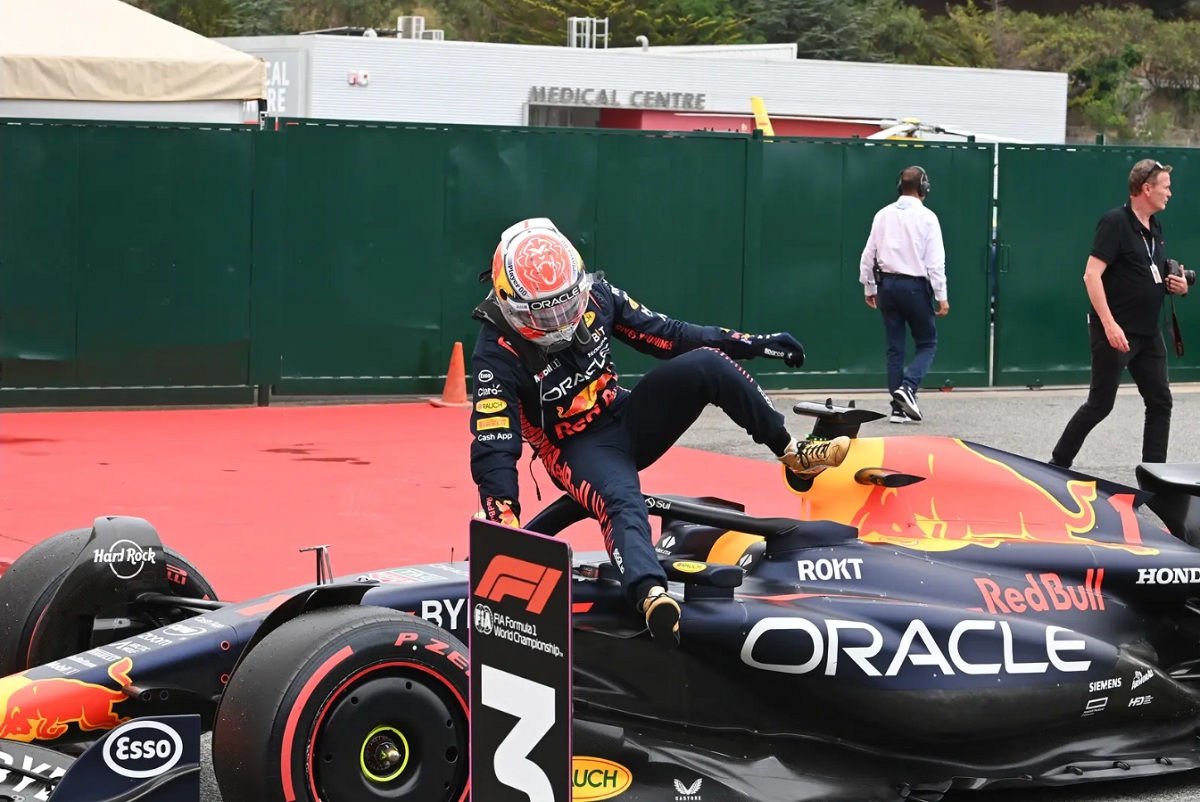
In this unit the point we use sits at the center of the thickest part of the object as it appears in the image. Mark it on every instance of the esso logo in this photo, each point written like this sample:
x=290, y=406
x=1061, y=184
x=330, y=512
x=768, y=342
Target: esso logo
x=143, y=749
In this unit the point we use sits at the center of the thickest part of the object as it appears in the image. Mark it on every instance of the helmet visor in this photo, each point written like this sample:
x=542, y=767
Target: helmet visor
x=555, y=312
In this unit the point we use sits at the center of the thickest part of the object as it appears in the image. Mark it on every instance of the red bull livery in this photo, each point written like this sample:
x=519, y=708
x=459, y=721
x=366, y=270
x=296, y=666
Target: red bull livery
x=935, y=616
x=44, y=709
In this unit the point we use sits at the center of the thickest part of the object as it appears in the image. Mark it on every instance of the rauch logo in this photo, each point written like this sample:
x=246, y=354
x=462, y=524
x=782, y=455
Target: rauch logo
x=594, y=778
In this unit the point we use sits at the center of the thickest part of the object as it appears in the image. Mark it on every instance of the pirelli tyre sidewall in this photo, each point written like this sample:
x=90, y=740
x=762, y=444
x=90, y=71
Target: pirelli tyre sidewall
x=28, y=589
x=347, y=703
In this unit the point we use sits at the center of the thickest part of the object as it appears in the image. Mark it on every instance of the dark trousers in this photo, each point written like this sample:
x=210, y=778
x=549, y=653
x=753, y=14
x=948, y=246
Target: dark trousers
x=907, y=305
x=599, y=466
x=1147, y=363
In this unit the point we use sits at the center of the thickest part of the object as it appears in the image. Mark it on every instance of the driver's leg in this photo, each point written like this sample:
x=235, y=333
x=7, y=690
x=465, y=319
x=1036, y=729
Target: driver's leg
x=671, y=396
x=596, y=467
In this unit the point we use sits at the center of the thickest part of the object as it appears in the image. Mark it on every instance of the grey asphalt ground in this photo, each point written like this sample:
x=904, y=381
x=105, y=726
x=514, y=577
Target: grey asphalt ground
x=1023, y=421
x=1026, y=422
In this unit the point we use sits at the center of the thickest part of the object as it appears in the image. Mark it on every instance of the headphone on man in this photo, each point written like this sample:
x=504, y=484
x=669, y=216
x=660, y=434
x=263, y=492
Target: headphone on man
x=922, y=188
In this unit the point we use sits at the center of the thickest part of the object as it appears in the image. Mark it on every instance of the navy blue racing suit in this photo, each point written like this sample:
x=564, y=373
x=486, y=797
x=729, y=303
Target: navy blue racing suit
x=594, y=436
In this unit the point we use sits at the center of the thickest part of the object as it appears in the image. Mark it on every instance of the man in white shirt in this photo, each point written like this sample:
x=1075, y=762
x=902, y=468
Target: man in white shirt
x=903, y=270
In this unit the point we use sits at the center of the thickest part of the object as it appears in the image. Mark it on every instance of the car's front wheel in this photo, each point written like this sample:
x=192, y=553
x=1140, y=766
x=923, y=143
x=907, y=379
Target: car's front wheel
x=346, y=703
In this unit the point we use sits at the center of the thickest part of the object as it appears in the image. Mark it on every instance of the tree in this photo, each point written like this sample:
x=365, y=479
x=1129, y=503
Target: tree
x=205, y=17
x=896, y=32
x=1167, y=9
x=465, y=20
x=312, y=15
x=1172, y=58
x=1096, y=49
x=259, y=17
x=821, y=29
x=544, y=22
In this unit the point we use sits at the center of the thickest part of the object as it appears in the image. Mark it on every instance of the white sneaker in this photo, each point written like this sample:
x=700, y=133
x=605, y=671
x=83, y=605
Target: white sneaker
x=900, y=417
x=908, y=402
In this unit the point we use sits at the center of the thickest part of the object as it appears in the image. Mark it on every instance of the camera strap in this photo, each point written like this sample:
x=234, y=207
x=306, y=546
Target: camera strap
x=1175, y=333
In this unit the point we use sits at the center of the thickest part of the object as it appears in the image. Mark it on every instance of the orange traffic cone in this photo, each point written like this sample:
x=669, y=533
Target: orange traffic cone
x=455, y=392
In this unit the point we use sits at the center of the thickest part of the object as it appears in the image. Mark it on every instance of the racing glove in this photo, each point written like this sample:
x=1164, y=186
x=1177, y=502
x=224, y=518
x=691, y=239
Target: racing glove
x=500, y=511
x=781, y=345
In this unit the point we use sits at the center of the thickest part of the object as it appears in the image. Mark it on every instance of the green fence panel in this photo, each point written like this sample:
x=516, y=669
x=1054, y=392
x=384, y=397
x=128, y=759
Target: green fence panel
x=39, y=221
x=497, y=177
x=268, y=321
x=1050, y=198
x=127, y=253
x=164, y=254
x=343, y=257
x=361, y=258
x=818, y=201
x=388, y=228
x=671, y=229
x=796, y=285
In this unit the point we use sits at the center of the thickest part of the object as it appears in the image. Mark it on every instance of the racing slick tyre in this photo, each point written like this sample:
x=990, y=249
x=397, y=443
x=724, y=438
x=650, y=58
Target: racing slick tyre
x=346, y=703
x=28, y=588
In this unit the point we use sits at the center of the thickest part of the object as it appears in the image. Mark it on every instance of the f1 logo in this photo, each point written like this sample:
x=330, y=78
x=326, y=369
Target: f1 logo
x=509, y=576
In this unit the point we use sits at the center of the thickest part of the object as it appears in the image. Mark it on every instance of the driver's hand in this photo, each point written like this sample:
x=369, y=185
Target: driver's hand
x=505, y=514
x=782, y=346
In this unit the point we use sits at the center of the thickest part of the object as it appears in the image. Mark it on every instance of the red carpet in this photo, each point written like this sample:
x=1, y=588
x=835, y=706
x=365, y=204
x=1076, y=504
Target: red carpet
x=239, y=491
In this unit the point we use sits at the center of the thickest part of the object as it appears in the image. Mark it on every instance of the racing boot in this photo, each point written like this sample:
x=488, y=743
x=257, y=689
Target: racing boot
x=807, y=458
x=662, y=616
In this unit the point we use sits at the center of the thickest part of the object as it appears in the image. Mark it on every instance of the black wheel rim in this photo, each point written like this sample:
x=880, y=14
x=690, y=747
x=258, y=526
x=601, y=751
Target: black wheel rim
x=391, y=732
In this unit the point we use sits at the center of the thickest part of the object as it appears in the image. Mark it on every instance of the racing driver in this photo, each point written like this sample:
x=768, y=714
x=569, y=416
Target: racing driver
x=543, y=362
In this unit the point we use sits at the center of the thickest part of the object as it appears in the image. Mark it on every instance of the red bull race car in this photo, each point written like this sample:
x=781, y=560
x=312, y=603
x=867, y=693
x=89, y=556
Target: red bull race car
x=937, y=616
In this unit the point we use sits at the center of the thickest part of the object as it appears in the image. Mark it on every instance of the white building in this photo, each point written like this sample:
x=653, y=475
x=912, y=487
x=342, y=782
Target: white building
x=355, y=77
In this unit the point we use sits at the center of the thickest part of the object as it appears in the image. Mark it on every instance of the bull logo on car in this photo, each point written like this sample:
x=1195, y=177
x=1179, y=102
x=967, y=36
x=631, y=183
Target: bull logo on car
x=44, y=709
x=1014, y=503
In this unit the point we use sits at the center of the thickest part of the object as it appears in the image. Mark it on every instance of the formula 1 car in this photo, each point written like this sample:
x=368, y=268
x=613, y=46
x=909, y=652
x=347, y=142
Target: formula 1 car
x=939, y=615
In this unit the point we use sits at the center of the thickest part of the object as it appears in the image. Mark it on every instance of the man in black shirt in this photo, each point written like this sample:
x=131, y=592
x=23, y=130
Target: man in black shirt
x=1127, y=281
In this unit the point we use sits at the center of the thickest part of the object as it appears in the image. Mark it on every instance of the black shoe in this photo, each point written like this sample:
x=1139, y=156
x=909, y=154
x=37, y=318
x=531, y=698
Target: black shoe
x=908, y=402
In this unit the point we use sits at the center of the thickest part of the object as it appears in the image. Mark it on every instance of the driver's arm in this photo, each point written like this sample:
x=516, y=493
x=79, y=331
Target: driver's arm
x=660, y=336
x=496, y=428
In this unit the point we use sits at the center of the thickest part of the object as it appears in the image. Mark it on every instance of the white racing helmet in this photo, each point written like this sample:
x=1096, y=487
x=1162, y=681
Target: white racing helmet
x=540, y=282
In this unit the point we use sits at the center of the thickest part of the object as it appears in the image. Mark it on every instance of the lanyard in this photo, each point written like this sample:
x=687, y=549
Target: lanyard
x=1150, y=248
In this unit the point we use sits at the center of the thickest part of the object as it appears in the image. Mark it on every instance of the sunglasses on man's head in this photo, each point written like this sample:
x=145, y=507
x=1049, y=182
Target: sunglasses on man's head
x=1155, y=170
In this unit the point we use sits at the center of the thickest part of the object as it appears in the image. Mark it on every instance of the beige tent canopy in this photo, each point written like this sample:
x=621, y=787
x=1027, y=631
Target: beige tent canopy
x=107, y=50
